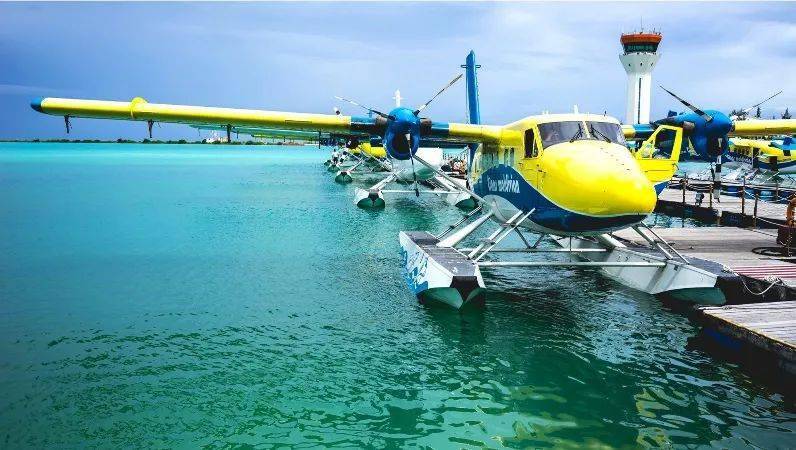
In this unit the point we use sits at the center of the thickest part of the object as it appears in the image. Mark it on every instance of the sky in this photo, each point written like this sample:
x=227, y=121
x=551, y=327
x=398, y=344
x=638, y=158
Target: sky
x=297, y=56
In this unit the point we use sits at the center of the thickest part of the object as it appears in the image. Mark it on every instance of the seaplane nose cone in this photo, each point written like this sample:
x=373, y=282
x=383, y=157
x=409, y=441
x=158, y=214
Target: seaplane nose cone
x=625, y=188
x=600, y=180
x=631, y=195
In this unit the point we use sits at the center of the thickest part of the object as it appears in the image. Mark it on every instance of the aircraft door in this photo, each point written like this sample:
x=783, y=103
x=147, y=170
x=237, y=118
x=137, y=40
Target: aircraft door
x=659, y=154
x=529, y=165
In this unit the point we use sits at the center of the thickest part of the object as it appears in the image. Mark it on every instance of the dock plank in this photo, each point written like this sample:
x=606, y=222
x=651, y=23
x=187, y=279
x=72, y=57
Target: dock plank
x=769, y=328
x=729, y=246
x=733, y=250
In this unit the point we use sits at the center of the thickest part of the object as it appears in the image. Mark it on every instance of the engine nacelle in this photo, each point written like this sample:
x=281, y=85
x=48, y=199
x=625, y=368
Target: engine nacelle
x=402, y=136
x=709, y=138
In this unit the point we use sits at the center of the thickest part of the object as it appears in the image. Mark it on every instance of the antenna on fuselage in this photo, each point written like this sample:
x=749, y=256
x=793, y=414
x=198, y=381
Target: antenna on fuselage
x=397, y=98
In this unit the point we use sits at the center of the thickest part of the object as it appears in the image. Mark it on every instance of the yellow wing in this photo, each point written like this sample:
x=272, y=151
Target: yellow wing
x=763, y=127
x=140, y=110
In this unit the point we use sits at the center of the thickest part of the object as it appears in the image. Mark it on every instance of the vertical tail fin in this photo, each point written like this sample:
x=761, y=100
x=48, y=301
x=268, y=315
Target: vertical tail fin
x=473, y=108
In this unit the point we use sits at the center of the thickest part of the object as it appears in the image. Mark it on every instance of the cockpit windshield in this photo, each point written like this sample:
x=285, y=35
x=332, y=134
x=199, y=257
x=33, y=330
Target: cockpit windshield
x=553, y=133
x=607, y=131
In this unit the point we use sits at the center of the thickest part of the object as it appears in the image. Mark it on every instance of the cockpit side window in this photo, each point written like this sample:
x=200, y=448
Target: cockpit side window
x=531, y=149
x=553, y=133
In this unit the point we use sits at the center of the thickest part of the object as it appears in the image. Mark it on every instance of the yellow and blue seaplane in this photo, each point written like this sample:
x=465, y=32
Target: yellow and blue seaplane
x=723, y=140
x=421, y=178
x=777, y=155
x=572, y=179
x=569, y=178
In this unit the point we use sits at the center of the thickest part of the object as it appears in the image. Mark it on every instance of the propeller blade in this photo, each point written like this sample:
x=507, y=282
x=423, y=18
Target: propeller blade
x=701, y=113
x=451, y=83
x=755, y=106
x=379, y=113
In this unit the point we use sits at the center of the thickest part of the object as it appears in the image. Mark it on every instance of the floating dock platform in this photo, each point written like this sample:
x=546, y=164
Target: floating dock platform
x=743, y=257
x=755, y=331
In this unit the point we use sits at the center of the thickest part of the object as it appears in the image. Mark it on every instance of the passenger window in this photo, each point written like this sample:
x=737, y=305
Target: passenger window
x=531, y=151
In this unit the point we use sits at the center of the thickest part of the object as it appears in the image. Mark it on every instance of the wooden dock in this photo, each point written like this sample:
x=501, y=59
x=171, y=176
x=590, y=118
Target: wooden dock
x=747, y=257
x=730, y=210
x=750, y=329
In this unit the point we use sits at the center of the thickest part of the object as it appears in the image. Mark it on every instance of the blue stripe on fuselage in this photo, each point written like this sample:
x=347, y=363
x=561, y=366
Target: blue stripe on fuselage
x=507, y=183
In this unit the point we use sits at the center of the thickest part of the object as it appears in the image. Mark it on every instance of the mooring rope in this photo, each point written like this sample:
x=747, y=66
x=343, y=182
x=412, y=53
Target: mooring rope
x=773, y=280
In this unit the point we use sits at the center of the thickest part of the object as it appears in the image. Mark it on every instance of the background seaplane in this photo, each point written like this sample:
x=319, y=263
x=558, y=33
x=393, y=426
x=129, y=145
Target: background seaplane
x=422, y=178
x=567, y=177
x=776, y=155
x=769, y=157
x=709, y=135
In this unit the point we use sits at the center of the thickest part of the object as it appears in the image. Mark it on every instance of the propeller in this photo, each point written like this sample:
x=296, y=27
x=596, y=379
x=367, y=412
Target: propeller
x=424, y=105
x=706, y=130
x=378, y=113
x=745, y=111
x=701, y=113
x=403, y=127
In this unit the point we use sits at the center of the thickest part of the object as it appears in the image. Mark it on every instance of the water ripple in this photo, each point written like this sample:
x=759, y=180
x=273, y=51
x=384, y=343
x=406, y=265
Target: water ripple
x=250, y=305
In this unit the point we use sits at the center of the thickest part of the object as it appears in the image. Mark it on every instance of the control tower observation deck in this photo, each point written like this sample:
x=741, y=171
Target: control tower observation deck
x=639, y=59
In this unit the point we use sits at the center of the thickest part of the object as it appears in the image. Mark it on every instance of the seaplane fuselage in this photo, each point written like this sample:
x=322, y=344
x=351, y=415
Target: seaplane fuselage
x=574, y=171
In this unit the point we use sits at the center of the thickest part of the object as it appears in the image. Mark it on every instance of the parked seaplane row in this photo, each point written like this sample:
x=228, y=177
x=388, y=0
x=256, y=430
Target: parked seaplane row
x=360, y=155
x=570, y=180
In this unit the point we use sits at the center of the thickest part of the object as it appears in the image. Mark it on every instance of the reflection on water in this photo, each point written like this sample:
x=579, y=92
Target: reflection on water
x=185, y=296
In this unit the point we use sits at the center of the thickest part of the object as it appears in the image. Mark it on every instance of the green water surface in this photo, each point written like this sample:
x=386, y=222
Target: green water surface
x=188, y=296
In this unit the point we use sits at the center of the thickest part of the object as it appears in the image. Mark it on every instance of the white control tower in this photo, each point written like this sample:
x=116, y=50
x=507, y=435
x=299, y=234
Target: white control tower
x=639, y=58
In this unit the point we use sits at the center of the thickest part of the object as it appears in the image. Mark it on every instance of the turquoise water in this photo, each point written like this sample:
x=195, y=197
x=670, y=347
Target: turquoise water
x=186, y=296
